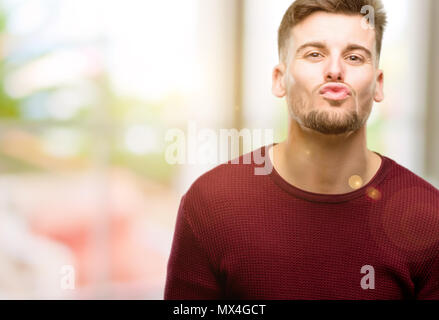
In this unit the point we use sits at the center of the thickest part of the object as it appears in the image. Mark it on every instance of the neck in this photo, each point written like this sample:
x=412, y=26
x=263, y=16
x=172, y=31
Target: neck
x=327, y=164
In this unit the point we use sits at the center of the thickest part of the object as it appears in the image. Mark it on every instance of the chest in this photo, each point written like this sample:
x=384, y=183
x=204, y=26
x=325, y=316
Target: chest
x=313, y=258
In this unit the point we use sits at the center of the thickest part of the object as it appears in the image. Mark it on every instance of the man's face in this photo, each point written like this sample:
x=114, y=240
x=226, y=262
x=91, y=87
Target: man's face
x=330, y=75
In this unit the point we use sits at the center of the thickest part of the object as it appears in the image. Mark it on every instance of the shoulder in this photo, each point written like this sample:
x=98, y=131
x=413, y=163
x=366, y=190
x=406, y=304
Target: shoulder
x=410, y=214
x=229, y=182
x=401, y=178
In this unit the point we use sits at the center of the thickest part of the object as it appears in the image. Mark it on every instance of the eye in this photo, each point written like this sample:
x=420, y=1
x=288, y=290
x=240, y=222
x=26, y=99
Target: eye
x=355, y=58
x=314, y=55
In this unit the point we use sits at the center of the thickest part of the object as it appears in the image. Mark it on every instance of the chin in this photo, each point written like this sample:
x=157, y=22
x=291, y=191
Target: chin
x=332, y=131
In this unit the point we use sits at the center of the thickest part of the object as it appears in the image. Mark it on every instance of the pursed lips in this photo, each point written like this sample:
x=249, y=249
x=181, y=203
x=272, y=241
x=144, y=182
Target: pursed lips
x=335, y=92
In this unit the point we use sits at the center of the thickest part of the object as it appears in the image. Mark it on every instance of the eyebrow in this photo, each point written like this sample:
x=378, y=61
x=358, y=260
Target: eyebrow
x=322, y=45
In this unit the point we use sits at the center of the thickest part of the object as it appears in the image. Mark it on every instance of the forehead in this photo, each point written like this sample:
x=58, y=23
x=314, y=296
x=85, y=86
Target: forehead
x=333, y=29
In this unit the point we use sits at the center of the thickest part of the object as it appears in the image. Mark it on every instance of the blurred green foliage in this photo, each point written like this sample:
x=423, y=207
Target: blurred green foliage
x=9, y=108
x=106, y=109
x=151, y=166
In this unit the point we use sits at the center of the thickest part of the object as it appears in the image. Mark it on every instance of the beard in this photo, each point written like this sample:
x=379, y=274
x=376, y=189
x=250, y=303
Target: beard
x=330, y=121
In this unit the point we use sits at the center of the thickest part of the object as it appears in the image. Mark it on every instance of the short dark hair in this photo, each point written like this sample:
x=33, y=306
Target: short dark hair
x=301, y=9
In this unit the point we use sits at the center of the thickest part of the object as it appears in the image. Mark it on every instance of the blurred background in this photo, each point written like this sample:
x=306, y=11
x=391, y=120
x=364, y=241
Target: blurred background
x=88, y=90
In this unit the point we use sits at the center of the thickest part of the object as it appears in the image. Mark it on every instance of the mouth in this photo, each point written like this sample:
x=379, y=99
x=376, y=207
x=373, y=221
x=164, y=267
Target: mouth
x=335, y=92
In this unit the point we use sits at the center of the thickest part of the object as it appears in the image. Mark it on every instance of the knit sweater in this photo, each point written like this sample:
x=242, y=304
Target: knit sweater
x=239, y=235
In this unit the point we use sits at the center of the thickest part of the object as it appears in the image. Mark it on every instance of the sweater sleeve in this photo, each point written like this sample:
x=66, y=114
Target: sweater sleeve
x=430, y=285
x=190, y=275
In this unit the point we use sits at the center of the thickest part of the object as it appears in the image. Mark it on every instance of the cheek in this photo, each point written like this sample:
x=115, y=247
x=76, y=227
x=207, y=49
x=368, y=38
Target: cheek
x=364, y=84
x=367, y=91
x=303, y=78
x=366, y=94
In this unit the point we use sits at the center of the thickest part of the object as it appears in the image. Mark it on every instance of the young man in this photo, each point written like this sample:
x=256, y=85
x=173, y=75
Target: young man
x=332, y=219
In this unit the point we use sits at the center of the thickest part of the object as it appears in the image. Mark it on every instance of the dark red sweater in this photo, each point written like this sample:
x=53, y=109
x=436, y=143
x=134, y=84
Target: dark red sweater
x=245, y=236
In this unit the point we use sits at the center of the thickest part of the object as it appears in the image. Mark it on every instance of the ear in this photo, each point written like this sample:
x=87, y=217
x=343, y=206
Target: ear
x=379, y=89
x=278, y=85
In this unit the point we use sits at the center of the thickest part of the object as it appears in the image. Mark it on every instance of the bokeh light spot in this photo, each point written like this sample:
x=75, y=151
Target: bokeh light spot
x=355, y=182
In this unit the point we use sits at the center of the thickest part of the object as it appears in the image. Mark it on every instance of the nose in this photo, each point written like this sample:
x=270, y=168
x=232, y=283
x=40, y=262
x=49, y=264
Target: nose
x=334, y=71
